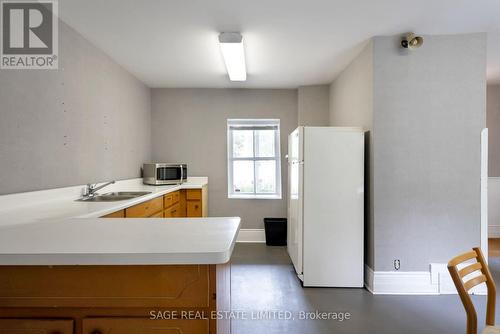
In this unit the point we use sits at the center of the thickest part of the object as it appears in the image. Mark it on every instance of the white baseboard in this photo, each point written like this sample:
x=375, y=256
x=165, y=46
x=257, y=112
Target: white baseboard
x=433, y=282
x=493, y=208
x=252, y=235
x=494, y=231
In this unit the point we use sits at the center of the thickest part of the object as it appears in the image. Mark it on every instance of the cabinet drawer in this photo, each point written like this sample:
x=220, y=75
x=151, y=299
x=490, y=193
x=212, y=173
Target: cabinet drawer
x=144, y=326
x=170, y=199
x=172, y=212
x=117, y=214
x=38, y=326
x=193, y=194
x=145, y=209
x=157, y=215
x=193, y=209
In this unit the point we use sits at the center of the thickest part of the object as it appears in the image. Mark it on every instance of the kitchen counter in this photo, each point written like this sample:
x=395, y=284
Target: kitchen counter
x=50, y=228
x=119, y=241
x=54, y=204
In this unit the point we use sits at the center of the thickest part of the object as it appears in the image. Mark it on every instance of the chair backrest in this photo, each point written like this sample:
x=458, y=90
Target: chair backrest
x=483, y=275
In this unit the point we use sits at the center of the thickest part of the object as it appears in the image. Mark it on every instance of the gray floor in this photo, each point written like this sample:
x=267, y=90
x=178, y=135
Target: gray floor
x=263, y=279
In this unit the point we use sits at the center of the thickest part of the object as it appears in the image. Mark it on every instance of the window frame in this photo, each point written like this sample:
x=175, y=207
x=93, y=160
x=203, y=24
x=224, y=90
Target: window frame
x=254, y=123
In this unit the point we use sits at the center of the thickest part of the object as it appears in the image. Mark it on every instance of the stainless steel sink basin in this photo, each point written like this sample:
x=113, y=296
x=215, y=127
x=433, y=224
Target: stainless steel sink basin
x=114, y=196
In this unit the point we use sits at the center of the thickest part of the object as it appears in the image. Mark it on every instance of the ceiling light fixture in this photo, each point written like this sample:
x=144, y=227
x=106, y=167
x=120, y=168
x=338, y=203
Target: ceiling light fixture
x=231, y=46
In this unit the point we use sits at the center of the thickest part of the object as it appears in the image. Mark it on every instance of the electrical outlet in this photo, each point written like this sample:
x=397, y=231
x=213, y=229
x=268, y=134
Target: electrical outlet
x=397, y=264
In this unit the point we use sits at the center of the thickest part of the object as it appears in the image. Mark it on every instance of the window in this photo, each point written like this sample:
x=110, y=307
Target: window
x=253, y=158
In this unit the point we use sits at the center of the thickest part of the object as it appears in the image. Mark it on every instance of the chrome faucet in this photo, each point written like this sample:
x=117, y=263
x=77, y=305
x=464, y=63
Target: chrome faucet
x=91, y=189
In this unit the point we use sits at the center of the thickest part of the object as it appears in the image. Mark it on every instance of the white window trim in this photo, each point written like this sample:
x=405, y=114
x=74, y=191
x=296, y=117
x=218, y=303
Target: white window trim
x=230, y=158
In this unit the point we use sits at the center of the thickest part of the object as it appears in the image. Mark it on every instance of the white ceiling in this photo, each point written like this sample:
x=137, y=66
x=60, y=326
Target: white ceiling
x=288, y=43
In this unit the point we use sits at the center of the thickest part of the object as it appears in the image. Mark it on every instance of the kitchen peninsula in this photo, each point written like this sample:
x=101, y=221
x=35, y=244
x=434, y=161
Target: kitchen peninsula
x=71, y=271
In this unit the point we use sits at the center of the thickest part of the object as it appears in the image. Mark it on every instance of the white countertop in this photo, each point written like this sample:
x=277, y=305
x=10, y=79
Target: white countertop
x=127, y=241
x=50, y=228
x=60, y=203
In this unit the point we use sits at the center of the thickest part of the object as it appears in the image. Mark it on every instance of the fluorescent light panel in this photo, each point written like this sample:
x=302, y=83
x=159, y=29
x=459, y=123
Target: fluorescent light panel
x=231, y=45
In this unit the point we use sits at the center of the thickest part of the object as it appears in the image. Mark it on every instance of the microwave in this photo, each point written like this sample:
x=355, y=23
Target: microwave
x=164, y=173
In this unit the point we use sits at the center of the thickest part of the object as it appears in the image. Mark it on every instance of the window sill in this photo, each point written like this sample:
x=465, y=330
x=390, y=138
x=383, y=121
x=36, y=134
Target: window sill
x=247, y=196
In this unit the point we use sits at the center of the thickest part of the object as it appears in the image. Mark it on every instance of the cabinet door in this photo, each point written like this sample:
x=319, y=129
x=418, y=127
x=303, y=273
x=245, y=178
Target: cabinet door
x=193, y=208
x=172, y=212
x=38, y=326
x=144, y=326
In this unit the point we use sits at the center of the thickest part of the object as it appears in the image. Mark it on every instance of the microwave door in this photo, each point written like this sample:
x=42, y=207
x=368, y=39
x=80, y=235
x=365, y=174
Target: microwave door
x=171, y=174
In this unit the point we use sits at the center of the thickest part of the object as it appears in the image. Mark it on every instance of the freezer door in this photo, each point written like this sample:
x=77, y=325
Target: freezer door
x=295, y=191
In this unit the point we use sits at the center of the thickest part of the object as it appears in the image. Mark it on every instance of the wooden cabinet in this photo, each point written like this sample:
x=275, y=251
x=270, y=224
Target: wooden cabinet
x=172, y=208
x=157, y=215
x=146, y=209
x=117, y=214
x=180, y=203
x=193, y=194
x=146, y=286
x=114, y=299
x=171, y=198
x=196, y=202
x=36, y=326
x=193, y=209
x=144, y=326
x=172, y=212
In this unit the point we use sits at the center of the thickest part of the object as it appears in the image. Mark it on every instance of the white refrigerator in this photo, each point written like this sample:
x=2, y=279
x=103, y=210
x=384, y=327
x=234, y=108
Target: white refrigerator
x=326, y=204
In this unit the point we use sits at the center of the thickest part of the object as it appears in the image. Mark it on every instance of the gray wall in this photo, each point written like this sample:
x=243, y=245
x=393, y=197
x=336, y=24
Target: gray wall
x=351, y=94
x=88, y=121
x=351, y=104
x=189, y=125
x=493, y=124
x=429, y=109
x=313, y=105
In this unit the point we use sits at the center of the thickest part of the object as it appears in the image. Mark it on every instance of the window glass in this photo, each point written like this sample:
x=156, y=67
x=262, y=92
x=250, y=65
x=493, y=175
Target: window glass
x=254, y=162
x=242, y=143
x=265, y=143
x=243, y=176
x=266, y=176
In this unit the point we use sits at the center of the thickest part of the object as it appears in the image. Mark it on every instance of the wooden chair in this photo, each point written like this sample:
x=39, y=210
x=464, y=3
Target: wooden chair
x=480, y=267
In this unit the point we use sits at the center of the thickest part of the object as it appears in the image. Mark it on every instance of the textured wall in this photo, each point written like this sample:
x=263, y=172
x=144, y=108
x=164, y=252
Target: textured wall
x=189, y=125
x=88, y=121
x=493, y=124
x=429, y=110
x=351, y=104
x=313, y=105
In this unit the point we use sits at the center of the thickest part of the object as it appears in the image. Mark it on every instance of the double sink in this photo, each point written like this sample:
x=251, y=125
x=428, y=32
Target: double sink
x=114, y=196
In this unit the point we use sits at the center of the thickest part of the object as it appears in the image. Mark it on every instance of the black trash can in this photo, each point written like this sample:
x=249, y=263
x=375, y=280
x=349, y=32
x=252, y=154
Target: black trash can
x=275, y=231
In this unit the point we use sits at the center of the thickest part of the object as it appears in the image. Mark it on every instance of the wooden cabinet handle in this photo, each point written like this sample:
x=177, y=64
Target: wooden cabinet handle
x=196, y=206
